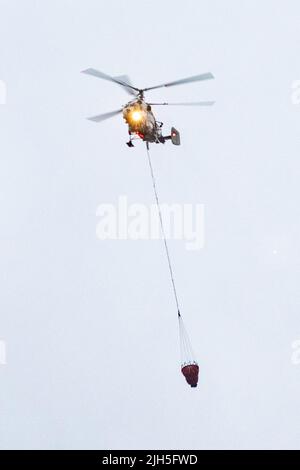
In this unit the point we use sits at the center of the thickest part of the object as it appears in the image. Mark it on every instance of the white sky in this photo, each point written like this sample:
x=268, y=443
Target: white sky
x=90, y=327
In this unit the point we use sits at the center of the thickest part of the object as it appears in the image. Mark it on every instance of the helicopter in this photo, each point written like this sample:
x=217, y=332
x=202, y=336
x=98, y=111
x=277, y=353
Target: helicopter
x=138, y=113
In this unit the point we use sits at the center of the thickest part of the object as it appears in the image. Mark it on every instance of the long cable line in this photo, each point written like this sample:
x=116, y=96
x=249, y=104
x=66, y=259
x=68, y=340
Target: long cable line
x=163, y=231
x=189, y=366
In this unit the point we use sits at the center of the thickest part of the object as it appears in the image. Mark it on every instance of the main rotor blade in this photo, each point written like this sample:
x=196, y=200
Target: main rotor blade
x=195, y=78
x=199, y=103
x=103, y=117
x=127, y=84
x=98, y=74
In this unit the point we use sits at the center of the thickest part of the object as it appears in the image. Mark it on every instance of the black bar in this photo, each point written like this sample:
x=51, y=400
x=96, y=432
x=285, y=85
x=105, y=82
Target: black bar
x=148, y=459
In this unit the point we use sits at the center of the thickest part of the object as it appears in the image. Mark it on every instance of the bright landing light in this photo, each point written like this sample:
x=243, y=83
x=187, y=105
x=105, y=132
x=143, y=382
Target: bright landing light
x=136, y=116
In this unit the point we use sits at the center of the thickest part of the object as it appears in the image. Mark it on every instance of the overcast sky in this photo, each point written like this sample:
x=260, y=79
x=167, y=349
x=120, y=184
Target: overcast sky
x=90, y=327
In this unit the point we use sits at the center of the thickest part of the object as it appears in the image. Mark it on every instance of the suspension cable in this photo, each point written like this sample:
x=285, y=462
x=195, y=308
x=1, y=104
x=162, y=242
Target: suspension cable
x=163, y=230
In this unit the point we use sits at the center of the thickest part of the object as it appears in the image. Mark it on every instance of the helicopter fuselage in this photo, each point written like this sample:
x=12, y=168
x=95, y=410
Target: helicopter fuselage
x=141, y=121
